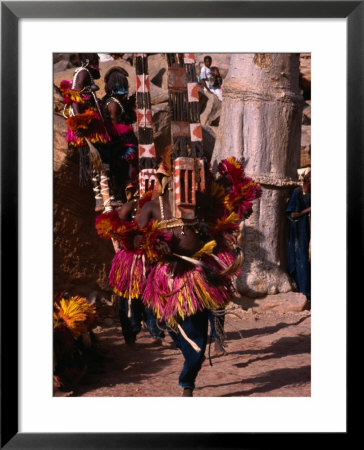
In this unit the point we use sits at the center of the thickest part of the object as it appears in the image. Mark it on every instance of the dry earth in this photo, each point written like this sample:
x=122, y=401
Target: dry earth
x=268, y=356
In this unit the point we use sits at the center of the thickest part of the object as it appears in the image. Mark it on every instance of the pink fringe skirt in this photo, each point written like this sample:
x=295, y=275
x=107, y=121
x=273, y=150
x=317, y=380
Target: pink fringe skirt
x=128, y=274
x=175, y=290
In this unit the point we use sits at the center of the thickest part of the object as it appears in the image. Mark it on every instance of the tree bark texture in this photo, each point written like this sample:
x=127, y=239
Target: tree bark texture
x=261, y=123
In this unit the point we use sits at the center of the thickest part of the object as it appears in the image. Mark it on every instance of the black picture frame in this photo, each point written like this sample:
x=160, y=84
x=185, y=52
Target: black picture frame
x=11, y=12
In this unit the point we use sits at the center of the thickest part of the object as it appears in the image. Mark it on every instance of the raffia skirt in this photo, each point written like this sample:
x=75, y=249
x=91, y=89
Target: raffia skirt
x=175, y=290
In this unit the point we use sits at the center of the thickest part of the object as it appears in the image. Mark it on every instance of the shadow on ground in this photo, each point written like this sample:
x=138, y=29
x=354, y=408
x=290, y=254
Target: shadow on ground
x=284, y=347
x=274, y=379
x=231, y=335
x=121, y=364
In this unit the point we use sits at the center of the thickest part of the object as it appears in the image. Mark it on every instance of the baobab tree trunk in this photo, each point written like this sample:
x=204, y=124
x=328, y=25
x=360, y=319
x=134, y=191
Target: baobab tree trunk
x=261, y=123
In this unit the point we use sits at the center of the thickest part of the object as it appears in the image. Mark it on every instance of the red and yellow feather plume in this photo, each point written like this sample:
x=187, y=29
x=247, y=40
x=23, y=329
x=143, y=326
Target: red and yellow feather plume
x=109, y=225
x=240, y=199
x=151, y=236
x=231, y=170
x=240, y=191
x=226, y=223
x=71, y=95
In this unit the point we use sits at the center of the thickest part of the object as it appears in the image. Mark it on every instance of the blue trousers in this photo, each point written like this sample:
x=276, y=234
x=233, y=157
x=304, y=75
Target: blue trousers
x=131, y=326
x=302, y=276
x=195, y=328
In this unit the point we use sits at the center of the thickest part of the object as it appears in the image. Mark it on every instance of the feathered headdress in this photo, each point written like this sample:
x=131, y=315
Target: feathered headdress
x=109, y=225
x=71, y=95
x=240, y=190
x=231, y=171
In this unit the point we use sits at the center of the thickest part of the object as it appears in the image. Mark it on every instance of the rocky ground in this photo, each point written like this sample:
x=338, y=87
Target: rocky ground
x=268, y=355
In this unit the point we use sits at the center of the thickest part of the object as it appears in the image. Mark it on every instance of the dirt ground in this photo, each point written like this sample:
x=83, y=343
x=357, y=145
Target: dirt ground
x=268, y=355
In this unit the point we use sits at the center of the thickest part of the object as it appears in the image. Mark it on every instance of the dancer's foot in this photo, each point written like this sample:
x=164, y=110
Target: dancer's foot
x=187, y=392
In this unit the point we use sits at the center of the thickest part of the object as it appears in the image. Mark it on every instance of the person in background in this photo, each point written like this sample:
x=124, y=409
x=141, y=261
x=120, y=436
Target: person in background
x=216, y=82
x=299, y=213
x=127, y=276
x=121, y=153
x=210, y=78
x=86, y=131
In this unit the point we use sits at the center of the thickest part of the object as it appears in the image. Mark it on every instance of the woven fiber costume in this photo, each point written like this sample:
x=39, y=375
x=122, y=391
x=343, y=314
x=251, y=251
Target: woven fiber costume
x=181, y=286
x=130, y=265
x=185, y=284
x=129, y=270
x=85, y=126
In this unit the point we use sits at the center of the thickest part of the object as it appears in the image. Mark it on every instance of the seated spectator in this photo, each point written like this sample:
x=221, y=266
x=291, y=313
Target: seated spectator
x=210, y=78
